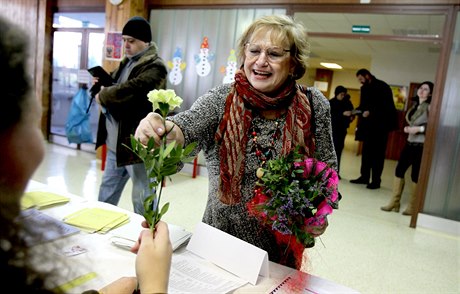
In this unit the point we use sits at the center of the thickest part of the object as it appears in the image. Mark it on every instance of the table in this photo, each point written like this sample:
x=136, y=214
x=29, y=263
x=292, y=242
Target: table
x=109, y=262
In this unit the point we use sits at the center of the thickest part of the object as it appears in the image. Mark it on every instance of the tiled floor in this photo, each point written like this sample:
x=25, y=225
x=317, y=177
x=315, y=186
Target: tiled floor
x=363, y=248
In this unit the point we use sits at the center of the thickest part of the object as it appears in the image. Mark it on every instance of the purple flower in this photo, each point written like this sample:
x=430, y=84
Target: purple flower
x=299, y=196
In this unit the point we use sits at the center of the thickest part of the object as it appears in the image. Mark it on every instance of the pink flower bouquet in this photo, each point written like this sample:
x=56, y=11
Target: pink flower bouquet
x=293, y=197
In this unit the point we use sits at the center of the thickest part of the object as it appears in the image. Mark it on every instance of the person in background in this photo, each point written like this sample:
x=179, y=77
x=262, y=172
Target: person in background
x=123, y=105
x=378, y=119
x=411, y=155
x=22, y=149
x=262, y=115
x=341, y=116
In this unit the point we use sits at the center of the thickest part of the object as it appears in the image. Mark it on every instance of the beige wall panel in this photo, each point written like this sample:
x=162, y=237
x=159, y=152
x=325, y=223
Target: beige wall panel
x=33, y=16
x=116, y=17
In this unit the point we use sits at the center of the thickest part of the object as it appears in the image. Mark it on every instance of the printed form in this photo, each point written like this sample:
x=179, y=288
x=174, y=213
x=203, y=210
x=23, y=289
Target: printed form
x=192, y=274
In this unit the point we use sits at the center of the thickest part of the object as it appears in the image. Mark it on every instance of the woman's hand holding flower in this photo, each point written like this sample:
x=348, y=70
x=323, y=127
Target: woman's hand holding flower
x=152, y=127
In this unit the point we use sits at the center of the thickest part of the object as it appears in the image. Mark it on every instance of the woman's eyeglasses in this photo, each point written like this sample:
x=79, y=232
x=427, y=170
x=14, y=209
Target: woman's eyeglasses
x=273, y=54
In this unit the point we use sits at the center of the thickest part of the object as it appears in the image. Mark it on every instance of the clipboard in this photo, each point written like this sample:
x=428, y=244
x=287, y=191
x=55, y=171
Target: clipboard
x=104, y=78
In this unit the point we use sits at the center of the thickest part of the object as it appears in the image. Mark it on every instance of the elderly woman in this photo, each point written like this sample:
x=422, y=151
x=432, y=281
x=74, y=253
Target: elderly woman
x=262, y=115
x=22, y=149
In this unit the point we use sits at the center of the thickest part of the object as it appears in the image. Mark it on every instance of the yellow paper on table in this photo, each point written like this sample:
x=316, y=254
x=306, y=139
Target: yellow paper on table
x=66, y=287
x=42, y=199
x=96, y=219
x=113, y=225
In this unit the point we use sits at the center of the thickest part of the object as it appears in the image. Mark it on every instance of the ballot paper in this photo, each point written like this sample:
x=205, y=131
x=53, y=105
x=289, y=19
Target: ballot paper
x=97, y=220
x=42, y=199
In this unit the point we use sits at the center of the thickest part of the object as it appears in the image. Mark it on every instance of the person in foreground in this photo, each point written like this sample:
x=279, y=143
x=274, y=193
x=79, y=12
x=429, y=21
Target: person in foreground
x=411, y=155
x=378, y=119
x=262, y=115
x=22, y=149
x=123, y=105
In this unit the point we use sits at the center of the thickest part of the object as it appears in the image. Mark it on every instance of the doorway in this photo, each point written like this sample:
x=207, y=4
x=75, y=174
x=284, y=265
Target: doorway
x=400, y=49
x=78, y=42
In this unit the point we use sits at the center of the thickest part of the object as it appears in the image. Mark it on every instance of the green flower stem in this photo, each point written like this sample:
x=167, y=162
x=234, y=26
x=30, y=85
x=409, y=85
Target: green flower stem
x=160, y=161
x=160, y=179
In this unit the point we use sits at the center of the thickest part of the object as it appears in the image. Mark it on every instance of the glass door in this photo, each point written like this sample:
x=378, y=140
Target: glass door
x=95, y=55
x=77, y=45
x=66, y=64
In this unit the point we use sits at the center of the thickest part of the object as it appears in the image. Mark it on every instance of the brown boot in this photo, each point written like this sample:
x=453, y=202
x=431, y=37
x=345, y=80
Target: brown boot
x=398, y=186
x=410, y=207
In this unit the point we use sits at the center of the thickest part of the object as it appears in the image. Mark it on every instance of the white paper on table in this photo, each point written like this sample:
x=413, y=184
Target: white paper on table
x=127, y=235
x=192, y=274
x=230, y=253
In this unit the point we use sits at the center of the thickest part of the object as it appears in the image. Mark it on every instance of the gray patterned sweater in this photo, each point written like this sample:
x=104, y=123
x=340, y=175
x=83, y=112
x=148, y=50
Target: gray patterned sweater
x=200, y=123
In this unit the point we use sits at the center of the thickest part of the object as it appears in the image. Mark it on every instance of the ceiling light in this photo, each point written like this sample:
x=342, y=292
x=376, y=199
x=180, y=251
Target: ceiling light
x=331, y=65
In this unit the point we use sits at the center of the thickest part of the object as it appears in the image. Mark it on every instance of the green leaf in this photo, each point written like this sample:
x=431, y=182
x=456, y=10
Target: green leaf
x=164, y=209
x=169, y=147
x=168, y=171
x=164, y=108
x=189, y=148
x=150, y=143
x=188, y=159
x=133, y=143
x=160, y=162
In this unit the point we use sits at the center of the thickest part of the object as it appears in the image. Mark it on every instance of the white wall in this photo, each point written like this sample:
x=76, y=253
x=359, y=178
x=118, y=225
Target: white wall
x=402, y=70
x=393, y=69
x=346, y=78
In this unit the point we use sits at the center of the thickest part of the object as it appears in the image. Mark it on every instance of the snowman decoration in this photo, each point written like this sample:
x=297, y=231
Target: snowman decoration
x=176, y=66
x=230, y=69
x=203, y=67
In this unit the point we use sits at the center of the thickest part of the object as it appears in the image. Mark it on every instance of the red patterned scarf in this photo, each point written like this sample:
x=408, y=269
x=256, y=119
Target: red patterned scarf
x=232, y=133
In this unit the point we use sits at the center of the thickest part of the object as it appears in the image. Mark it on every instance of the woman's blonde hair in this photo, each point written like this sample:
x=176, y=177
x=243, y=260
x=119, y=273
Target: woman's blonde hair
x=282, y=28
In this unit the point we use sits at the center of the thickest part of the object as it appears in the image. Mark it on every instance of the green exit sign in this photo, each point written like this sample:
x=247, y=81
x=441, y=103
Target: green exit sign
x=361, y=29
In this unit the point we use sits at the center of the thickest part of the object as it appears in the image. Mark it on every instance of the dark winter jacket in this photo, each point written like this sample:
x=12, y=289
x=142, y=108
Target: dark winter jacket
x=377, y=98
x=127, y=102
x=339, y=121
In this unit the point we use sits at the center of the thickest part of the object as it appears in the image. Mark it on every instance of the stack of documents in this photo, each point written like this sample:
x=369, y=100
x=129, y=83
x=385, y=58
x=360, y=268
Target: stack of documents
x=41, y=199
x=97, y=220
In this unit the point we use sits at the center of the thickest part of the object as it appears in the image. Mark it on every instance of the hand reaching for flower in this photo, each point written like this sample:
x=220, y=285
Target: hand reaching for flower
x=153, y=261
x=155, y=125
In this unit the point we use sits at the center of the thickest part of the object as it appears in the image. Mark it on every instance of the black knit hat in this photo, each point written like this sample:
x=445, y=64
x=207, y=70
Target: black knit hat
x=340, y=89
x=138, y=28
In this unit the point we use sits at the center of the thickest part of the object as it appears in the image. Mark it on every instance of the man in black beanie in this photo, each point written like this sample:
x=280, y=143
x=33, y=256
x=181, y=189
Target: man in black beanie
x=138, y=28
x=123, y=105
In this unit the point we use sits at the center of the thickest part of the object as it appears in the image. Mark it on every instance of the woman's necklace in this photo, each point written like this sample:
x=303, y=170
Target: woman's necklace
x=263, y=145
